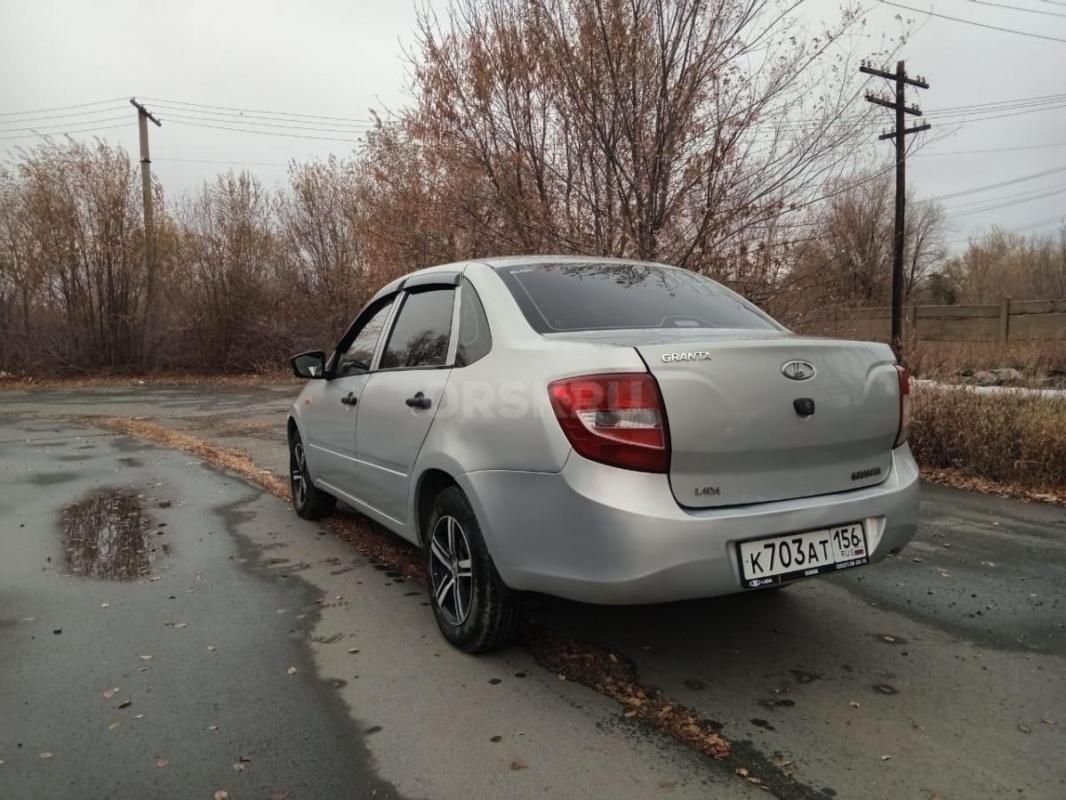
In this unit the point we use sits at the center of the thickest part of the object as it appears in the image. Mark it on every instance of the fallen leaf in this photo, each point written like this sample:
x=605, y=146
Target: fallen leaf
x=181, y=625
x=221, y=795
x=112, y=726
x=854, y=703
x=161, y=763
x=212, y=727
x=138, y=716
x=888, y=638
x=742, y=772
x=211, y=648
x=105, y=605
x=125, y=704
x=518, y=764
x=46, y=755
x=239, y=766
x=109, y=693
x=1024, y=728
x=146, y=657
x=292, y=670
x=885, y=757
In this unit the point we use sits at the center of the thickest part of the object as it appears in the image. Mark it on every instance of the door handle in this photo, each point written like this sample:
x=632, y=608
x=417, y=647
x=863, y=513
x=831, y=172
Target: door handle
x=350, y=399
x=419, y=401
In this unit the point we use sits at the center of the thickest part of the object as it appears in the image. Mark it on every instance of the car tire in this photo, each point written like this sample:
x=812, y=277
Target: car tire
x=475, y=610
x=308, y=501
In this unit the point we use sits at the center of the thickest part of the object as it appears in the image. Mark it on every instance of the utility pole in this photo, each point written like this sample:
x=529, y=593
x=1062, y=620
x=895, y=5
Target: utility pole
x=901, y=108
x=143, y=115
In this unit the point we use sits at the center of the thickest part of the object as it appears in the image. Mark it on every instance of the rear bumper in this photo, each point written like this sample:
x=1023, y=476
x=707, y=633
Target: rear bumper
x=605, y=535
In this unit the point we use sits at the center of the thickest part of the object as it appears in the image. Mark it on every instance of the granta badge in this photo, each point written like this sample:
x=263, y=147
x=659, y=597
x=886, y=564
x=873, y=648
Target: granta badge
x=798, y=370
x=692, y=355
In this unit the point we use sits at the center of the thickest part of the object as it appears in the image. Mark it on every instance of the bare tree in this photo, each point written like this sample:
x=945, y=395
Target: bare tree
x=660, y=129
x=322, y=244
x=229, y=253
x=1004, y=264
x=73, y=240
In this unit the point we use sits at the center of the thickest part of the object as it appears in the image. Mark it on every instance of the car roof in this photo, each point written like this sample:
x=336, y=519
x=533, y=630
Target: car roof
x=496, y=262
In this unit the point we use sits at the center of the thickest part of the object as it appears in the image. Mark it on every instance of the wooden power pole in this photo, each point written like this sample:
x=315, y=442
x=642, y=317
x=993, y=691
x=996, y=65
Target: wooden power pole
x=143, y=115
x=899, y=105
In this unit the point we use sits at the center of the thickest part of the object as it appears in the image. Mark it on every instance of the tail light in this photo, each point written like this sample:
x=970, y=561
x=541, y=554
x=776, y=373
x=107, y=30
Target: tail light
x=617, y=419
x=904, y=406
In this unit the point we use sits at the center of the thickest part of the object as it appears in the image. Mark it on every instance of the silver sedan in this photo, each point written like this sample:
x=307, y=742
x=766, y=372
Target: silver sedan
x=603, y=430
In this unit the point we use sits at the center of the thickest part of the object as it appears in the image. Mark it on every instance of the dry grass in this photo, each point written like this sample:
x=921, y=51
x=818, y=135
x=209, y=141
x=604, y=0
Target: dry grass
x=157, y=380
x=1006, y=438
x=1037, y=361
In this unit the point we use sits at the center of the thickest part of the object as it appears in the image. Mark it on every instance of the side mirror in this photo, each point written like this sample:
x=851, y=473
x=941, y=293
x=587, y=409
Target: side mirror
x=311, y=364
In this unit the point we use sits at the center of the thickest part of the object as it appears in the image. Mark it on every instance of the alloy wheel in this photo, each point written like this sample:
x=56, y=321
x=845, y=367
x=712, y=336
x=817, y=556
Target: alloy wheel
x=451, y=575
x=298, y=467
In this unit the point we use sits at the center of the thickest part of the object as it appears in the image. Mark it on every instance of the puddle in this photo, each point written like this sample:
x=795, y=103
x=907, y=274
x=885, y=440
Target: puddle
x=104, y=537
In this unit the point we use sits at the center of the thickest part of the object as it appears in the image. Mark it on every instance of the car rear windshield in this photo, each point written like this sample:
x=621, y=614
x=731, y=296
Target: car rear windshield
x=611, y=296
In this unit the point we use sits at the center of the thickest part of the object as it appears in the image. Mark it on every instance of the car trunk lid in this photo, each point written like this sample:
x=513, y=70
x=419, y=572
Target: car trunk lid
x=738, y=430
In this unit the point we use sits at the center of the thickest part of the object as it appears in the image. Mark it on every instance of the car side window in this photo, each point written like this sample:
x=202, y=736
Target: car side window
x=420, y=334
x=360, y=352
x=475, y=339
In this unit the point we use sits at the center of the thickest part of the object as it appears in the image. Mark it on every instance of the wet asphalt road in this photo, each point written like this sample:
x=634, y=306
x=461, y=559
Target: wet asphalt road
x=940, y=673
x=199, y=646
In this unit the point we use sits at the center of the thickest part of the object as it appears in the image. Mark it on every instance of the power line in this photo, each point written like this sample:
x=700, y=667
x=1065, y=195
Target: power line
x=59, y=108
x=977, y=189
x=993, y=108
x=256, y=124
x=62, y=133
x=264, y=133
x=967, y=120
x=160, y=101
x=966, y=205
x=971, y=22
x=73, y=118
x=989, y=150
x=1009, y=101
x=32, y=128
x=997, y=206
x=1018, y=8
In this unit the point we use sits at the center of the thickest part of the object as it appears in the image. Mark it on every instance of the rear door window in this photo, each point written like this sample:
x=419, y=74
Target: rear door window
x=419, y=338
x=612, y=296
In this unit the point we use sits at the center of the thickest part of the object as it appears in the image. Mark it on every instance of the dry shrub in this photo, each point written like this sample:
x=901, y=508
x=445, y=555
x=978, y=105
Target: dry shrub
x=946, y=360
x=1005, y=437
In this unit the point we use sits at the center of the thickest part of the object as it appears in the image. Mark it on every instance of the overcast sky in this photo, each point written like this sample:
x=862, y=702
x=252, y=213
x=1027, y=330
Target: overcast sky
x=343, y=58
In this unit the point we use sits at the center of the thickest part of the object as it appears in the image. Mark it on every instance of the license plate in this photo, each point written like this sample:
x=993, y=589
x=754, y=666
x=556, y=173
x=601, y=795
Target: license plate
x=799, y=555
